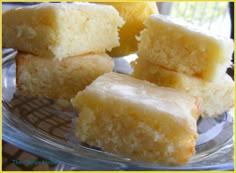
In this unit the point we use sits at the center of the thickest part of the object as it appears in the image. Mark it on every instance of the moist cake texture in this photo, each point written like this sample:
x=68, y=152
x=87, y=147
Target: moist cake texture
x=37, y=76
x=216, y=97
x=60, y=30
x=137, y=119
x=180, y=46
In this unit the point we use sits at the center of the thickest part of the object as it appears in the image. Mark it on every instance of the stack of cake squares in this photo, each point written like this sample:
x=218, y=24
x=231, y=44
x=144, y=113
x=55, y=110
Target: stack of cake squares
x=62, y=54
x=61, y=47
x=174, y=53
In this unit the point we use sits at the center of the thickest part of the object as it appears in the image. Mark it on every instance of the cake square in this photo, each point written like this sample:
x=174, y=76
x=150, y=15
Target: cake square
x=37, y=76
x=216, y=97
x=179, y=46
x=61, y=30
x=137, y=119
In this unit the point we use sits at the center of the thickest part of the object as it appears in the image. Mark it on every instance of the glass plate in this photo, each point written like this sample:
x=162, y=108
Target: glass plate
x=45, y=127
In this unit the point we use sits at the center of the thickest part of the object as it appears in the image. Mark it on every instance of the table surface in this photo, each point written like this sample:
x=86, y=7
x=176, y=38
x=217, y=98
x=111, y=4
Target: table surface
x=16, y=159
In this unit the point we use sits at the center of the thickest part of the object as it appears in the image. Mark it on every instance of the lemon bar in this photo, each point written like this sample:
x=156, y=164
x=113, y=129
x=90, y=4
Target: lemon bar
x=36, y=76
x=134, y=14
x=180, y=46
x=216, y=97
x=137, y=119
x=61, y=30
